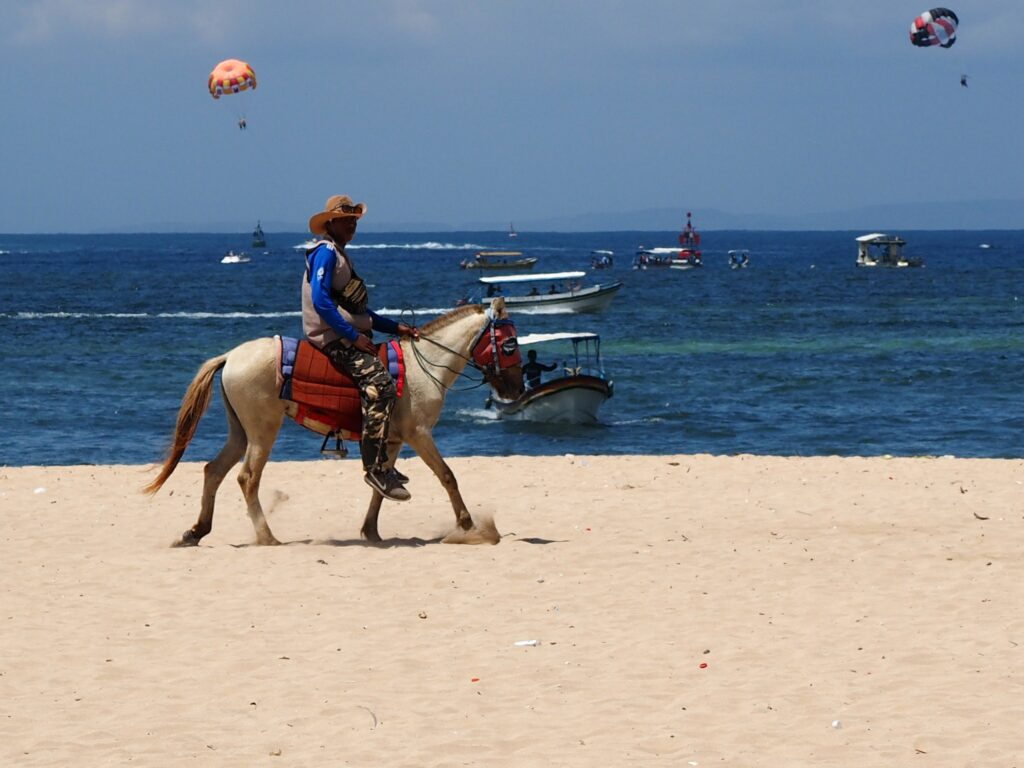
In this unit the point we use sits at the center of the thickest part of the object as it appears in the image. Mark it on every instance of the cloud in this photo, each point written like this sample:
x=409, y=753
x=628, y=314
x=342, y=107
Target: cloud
x=34, y=22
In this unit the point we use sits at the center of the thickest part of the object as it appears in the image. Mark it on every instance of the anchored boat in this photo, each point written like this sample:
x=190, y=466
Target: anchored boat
x=881, y=250
x=258, y=240
x=499, y=260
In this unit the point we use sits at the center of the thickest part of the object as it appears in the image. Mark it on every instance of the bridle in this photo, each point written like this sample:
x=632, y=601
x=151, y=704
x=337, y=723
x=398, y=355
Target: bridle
x=494, y=349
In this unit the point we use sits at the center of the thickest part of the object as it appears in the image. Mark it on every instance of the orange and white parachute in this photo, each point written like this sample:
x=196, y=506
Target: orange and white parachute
x=231, y=76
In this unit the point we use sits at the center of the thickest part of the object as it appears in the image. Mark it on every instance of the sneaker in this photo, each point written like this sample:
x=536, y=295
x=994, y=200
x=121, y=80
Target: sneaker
x=387, y=484
x=399, y=476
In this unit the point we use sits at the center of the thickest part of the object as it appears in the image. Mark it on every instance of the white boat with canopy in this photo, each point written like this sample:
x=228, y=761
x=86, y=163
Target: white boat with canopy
x=881, y=250
x=564, y=293
x=572, y=396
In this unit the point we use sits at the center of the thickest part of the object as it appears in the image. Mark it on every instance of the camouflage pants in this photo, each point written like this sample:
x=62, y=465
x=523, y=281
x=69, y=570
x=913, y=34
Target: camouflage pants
x=377, y=395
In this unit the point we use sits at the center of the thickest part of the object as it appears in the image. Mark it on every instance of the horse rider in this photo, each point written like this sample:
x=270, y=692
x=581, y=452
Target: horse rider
x=336, y=318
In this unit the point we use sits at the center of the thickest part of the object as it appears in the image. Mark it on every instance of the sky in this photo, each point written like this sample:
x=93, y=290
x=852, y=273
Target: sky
x=480, y=113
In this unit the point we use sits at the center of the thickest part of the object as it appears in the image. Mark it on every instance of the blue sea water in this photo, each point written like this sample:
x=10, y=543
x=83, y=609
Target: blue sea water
x=800, y=354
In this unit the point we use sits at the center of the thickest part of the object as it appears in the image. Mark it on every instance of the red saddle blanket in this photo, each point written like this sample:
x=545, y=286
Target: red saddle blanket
x=326, y=400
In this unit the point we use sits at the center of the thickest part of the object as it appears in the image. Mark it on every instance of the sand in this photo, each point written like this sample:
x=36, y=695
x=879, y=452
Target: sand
x=689, y=610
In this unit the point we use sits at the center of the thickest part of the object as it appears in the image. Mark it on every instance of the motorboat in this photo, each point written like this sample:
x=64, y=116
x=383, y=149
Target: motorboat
x=649, y=258
x=687, y=256
x=565, y=293
x=499, y=260
x=880, y=250
x=235, y=258
x=739, y=258
x=258, y=240
x=602, y=259
x=573, y=395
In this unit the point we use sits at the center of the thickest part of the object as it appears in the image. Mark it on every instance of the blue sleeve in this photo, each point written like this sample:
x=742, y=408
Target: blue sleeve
x=383, y=324
x=321, y=268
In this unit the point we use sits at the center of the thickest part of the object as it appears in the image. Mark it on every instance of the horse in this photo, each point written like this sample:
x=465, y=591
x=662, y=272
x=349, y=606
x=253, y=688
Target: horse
x=469, y=335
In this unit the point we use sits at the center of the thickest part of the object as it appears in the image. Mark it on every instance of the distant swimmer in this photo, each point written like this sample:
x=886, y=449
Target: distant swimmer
x=963, y=80
x=241, y=124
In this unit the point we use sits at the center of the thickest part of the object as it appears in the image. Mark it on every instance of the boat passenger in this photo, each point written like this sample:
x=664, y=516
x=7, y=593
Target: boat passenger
x=534, y=291
x=532, y=369
x=336, y=318
x=552, y=289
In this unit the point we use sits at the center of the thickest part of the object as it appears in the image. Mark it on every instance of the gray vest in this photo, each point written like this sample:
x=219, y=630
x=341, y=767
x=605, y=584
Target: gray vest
x=315, y=327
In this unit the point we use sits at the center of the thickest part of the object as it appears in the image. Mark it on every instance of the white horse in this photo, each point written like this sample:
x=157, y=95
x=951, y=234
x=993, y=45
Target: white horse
x=467, y=335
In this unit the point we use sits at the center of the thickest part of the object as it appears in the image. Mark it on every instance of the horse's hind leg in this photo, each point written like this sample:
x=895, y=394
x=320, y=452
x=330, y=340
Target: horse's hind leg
x=369, y=530
x=256, y=457
x=213, y=475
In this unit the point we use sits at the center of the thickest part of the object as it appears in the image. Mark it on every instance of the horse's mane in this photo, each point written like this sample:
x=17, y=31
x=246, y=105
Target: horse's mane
x=456, y=314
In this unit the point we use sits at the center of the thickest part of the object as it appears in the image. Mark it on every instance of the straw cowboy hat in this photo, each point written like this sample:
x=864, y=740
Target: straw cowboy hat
x=336, y=207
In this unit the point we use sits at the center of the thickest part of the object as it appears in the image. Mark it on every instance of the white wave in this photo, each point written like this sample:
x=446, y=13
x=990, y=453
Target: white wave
x=427, y=246
x=230, y=315
x=179, y=315
x=4, y=252
x=478, y=414
x=414, y=310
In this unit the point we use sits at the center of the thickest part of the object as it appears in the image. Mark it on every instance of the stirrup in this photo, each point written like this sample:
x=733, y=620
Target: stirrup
x=339, y=451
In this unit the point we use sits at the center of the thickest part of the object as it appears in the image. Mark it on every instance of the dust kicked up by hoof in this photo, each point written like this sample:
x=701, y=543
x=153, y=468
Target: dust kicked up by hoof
x=484, y=531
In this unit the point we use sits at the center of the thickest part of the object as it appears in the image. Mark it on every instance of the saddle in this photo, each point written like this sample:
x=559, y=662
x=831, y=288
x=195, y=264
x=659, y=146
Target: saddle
x=321, y=398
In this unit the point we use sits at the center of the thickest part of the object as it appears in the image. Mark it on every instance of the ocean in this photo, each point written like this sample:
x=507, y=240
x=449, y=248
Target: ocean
x=800, y=354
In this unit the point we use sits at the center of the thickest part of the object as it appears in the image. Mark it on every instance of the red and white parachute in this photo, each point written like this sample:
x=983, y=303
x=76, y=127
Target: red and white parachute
x=934, y=27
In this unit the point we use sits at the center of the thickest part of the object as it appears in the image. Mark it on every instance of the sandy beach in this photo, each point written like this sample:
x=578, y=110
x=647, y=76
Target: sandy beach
x=689, y=611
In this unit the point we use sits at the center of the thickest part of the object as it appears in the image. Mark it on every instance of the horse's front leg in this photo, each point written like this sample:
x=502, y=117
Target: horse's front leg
x=423, y=444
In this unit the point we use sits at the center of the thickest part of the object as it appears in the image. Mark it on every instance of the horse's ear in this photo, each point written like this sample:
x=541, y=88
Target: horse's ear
x=498, y=308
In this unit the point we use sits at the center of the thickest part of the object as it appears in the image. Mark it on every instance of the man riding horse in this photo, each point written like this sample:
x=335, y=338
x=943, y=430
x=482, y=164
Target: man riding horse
x=336, y=318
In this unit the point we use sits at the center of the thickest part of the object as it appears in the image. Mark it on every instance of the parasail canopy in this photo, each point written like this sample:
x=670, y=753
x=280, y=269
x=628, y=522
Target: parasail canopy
x=934, y=27
x=231, y=76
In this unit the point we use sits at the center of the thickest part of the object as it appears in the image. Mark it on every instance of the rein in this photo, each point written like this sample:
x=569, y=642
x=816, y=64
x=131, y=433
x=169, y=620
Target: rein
x=424, y=362
x=421, y=359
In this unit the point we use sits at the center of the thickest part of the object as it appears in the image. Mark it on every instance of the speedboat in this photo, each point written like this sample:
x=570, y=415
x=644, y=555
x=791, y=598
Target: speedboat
x=572, y=396
x=235, y=258
x=881, y=250
x=602, y=259
x=564, y=293
x=739, y=258
x=499, y=260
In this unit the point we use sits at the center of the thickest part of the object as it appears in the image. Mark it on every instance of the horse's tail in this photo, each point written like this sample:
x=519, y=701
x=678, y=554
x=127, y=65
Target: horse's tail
x=193, y=406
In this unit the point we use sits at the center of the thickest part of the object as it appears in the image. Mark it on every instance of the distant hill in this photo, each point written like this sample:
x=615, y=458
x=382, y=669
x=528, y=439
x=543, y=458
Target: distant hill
x=977, y=214
x=980, y=214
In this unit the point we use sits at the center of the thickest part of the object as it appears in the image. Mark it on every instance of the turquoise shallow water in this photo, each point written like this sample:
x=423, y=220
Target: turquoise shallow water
x=800, y=354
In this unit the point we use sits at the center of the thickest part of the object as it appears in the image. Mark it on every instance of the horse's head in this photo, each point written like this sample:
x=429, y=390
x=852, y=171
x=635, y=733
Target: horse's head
x=496, y=353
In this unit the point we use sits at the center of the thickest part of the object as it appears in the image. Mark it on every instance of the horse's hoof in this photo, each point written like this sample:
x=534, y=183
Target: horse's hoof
x=371, y=536
x=484, y=532
x=188, y=539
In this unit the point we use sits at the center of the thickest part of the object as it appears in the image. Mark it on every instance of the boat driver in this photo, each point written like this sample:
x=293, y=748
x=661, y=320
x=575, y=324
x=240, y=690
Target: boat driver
x=532, y=369
x=336, y=317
